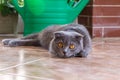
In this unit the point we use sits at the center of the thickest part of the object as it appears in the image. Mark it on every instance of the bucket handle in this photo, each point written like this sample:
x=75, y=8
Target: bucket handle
x=19, y=6
x=73, y=3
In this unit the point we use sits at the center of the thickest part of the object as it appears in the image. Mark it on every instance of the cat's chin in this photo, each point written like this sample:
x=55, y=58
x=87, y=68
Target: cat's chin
x=61, y=56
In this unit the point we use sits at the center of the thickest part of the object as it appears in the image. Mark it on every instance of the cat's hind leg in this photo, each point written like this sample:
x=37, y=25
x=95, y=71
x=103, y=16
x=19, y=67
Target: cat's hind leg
x=31, y=40
x=6, y=41
x=26, y=42
x=21, y=42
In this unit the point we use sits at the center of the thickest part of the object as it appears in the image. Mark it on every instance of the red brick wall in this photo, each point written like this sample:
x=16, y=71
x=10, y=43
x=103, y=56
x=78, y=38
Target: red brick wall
x=106, y=18
x=103, y=16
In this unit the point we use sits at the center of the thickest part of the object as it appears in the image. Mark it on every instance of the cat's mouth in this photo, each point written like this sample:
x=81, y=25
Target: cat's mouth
x=62, y=55
x=65, y=57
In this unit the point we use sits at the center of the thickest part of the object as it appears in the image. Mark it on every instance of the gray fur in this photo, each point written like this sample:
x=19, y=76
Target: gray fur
x=68, y=34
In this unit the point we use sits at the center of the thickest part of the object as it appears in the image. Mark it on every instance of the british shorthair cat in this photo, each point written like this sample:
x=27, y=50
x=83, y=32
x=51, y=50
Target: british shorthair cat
x=64, y=41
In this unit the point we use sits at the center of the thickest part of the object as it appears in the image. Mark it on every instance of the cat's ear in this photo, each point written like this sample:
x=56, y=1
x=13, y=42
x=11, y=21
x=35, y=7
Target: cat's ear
x=79, y=36
x=58, y=34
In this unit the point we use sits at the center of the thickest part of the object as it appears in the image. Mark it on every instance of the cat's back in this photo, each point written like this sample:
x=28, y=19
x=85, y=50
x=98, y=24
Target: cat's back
x=49, y=31
x=54, y=28
x=77, y=28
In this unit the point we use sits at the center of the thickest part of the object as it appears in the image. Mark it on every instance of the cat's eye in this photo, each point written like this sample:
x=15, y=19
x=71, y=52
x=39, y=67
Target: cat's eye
x=60, y=45
x=72, y=46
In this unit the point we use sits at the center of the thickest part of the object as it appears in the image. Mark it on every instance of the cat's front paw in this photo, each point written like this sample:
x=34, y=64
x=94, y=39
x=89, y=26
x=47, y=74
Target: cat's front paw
x=82, y=54
x=5, y=41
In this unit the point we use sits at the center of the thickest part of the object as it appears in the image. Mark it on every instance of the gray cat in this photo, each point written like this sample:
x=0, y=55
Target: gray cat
x=64, y=41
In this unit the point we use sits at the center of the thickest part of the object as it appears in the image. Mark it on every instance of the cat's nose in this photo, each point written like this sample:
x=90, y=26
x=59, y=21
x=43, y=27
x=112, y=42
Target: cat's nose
x=64, y=52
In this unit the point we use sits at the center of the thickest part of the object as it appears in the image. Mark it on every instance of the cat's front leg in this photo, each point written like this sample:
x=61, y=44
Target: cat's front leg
x=84, y=53
x=81, y=54
x=87, y=50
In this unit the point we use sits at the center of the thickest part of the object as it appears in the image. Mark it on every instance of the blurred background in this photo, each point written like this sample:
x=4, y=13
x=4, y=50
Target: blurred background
x=101, y=17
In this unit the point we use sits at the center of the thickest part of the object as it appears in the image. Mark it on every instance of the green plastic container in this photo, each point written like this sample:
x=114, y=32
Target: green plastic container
x=38, y=14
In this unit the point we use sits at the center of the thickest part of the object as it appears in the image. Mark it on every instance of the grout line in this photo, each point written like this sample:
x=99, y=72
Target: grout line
x=103, y=34
x=103, y=5
x=18, y=65
x=106, y=27
x=35, y=77
x=106, y=16
x=99, y=16
x=106, y=5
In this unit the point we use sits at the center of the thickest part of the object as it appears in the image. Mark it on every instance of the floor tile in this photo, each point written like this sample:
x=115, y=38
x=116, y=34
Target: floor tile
x=97, y=67
x=17, y=77
x=11, y=57
x=102, y=64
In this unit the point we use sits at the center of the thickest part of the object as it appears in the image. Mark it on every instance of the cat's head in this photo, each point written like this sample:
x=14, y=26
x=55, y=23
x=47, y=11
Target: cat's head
x=66, y=44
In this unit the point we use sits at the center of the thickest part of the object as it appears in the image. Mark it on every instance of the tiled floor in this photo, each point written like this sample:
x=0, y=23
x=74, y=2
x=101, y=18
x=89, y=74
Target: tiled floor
x=34, y=63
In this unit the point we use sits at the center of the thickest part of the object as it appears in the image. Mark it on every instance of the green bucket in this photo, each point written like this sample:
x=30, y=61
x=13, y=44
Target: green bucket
x=38, y=14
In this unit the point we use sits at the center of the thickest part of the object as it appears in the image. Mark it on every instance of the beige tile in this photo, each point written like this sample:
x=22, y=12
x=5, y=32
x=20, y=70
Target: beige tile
x=16, y=77
x=91, y=68
x=12, y=57
x=102, y=64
